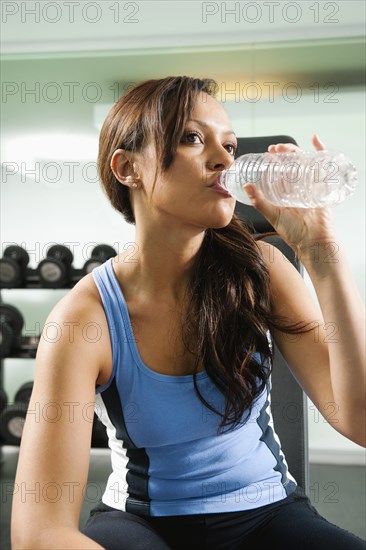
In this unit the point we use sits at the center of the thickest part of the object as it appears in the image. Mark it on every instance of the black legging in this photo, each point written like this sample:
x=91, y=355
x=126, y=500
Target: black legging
x=292, y=523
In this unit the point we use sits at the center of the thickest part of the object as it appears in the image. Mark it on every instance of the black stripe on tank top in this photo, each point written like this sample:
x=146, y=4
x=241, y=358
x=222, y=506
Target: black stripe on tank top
x=138, y=501
x=269, y=439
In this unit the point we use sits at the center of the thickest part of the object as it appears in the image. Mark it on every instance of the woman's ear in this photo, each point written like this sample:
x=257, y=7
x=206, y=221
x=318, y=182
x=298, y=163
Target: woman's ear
x=124, y=169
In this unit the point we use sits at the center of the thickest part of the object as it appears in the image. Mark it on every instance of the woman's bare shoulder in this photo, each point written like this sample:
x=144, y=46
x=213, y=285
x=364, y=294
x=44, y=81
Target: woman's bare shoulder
x=81, y=311
x=82, y=299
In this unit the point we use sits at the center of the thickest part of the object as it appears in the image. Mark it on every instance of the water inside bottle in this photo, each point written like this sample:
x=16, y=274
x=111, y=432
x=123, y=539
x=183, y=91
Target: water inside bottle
x=293, y=179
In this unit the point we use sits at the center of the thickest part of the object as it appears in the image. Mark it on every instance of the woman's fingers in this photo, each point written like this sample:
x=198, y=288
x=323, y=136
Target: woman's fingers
x=318, y=144
x=282, y=148
x=290, y=147
x=269, y=211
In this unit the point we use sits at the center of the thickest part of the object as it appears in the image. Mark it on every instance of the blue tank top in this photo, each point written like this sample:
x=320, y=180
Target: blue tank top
x=167, y=457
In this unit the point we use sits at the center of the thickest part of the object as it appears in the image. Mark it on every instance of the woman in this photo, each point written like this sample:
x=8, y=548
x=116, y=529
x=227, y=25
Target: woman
x=182, y=363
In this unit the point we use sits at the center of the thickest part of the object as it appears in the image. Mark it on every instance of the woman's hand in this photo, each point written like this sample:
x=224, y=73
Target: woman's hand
x=301, y=228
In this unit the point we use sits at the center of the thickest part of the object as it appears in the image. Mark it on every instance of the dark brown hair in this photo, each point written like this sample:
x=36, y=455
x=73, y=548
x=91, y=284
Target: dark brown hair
x=229, y=310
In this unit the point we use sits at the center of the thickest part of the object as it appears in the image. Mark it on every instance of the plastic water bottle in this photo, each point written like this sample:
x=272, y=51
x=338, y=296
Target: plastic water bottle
x=296, y=179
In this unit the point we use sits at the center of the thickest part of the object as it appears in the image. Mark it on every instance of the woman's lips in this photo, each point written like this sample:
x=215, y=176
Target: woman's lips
x=217, y=181
x=217, y=186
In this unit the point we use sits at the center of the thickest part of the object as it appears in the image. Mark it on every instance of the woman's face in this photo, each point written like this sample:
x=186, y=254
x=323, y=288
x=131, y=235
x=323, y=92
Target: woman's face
x=184, y=194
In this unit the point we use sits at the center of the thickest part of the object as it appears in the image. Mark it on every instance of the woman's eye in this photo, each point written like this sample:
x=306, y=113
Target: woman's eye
x=192, y=137
x=232, y=148
x=195, y=137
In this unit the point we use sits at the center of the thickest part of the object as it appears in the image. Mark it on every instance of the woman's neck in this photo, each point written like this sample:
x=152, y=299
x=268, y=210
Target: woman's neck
x=159, y=269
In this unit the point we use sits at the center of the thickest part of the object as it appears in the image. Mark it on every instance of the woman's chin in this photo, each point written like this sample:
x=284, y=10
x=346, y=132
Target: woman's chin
x=223, y=216
x=221, y=221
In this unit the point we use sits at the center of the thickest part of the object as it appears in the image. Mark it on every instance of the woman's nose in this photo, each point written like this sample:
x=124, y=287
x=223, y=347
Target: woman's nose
x=220, y=160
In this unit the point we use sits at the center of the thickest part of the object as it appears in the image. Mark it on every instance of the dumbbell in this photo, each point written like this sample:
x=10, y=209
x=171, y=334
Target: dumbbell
x=55, y=270
x=12, y=421
x=13, y=416
x=3, y=403
x=11, y=324
x=13, y=266
x=3, y=399
x=24, y=393
x=100, y=254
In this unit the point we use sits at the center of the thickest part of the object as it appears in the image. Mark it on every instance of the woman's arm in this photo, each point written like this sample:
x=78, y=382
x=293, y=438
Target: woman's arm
x=329, y=362
x=55, y=446
x=343, y=310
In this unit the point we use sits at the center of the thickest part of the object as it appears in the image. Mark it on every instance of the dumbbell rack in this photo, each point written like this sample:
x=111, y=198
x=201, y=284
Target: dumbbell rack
x=32, y=279
x=26, y=347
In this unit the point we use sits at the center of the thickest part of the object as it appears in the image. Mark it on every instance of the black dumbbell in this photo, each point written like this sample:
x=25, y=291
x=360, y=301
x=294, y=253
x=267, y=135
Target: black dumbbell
x=55, y=270
x=3, y=399
x=11, y=324
x=24, y=393
x=100, y=254
x=13, y=266
x=12, y=421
